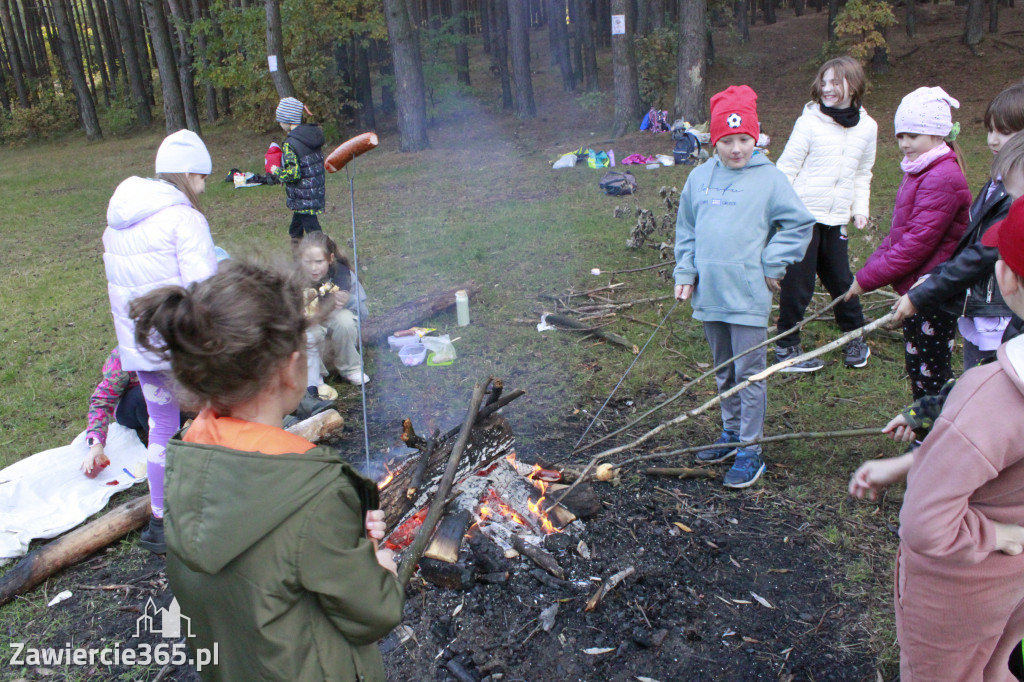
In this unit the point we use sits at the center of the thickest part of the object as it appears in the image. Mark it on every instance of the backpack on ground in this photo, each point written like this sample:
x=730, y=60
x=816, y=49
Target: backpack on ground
x=617, y=184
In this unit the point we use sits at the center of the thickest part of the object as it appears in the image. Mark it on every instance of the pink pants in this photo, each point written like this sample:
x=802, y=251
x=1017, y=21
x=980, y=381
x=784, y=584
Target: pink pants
x=958, y=621
x=164, y=422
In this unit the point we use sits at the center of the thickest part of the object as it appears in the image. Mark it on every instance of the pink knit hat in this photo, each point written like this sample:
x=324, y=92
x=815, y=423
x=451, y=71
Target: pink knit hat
x=926, y=111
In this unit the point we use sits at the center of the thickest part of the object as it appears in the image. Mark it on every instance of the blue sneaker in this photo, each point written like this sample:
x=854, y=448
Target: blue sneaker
x=720, y=454
x=745, y=471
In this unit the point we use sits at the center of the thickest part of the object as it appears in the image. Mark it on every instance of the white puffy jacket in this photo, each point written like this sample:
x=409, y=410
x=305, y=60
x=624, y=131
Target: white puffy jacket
x=153, y=238
x=829, y=165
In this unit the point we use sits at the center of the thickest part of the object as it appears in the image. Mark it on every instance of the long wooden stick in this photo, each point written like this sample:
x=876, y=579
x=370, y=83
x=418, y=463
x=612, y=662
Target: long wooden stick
x=443, y=488
x=678, y=394
x=569, y=323
x=803, y=435
x=69, y=549
x=761, y=376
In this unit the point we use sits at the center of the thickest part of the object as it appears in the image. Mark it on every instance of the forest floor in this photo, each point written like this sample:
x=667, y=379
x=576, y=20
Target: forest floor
x=786, y=580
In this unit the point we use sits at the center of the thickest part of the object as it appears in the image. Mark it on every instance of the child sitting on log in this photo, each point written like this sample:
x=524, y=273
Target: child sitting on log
x=266, y=550
x=740, y=225
x=959, y=594
x=333, y=298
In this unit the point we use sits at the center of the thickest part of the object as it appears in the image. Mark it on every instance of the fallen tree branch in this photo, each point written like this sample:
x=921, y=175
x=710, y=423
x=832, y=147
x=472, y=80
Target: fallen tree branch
x=680, y=472
x=413, y=312
x=803, y=435
x=686, y=387
x=569, y=323
x=445, y=486
x=606, y=587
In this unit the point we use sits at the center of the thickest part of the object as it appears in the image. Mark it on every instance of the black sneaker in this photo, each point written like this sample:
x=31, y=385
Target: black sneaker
x=785, y=353
x=153, y=537
x=857, y=353
x=720, y=454
x=745, y=471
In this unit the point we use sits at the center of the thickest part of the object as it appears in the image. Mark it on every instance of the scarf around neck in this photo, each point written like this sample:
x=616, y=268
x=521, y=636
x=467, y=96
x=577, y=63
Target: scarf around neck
x=848, y=117
x=926, y=159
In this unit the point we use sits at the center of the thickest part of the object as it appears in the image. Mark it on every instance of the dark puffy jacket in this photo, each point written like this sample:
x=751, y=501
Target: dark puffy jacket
x=928, y=220
x=308, y=194
x=972, y=267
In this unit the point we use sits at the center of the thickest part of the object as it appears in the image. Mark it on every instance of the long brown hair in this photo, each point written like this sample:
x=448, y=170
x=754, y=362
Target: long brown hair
x=226, y=335
x=321, y=241
x=1010, y=158
x=846, y=68
x=184, y=184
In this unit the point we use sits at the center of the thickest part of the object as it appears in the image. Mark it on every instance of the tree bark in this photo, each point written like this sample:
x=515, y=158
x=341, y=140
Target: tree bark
x=586, y=36
x=413, y=312
x=86, y=106
x=499, y=51
x=275, y=47
x=209, y=92
x=692, y=62
x=170, y=85
x=993, y=16
x=14, y=55
x=519, y=41
x=974, y=24
x=364, y=89
x=628, y=108
x=27, y=60
x=833, y=10
x=133, y=62
x=89, y=10
x=409, y=86
x=81, y=45
x=769, y=11
x=560, y=39
x=181, y=27
x=743, y=19
x=910, y=19
x=461, y=36
x=139, y=25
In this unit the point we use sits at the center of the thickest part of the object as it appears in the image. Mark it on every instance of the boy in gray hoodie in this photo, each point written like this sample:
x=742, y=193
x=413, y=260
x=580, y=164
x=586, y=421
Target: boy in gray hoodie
x=740, y=224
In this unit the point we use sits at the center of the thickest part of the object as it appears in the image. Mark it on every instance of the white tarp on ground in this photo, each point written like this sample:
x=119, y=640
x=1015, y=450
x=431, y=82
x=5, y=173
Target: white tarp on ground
x=47, y=494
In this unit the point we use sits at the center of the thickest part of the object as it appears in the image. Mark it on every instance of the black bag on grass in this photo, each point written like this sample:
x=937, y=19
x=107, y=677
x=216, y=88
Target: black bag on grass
x=617, y=184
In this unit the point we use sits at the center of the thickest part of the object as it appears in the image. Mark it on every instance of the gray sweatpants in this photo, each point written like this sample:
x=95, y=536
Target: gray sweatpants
x=744, y=412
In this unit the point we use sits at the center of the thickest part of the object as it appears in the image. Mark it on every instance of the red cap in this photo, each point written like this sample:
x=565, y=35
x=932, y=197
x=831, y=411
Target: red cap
x=734, y=111
x=1008, y=236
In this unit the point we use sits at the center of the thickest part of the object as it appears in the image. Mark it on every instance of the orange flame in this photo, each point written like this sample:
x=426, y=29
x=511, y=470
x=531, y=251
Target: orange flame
x=536, y=508
x=386, y=479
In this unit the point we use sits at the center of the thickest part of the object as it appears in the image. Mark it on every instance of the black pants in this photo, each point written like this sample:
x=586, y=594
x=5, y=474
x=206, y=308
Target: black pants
x=827, y=258
x=929, y=351
x=131, y=412
x=303, y=223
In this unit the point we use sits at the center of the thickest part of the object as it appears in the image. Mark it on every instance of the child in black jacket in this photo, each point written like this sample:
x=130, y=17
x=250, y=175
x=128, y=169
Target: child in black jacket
x=301, y=169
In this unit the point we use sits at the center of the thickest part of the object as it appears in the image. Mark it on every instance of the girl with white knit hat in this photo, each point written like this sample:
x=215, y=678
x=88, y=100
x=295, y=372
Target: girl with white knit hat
x=929, y=217
x=156, y=236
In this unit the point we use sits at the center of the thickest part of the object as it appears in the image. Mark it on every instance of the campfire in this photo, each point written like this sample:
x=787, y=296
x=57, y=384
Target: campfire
x=494, y=502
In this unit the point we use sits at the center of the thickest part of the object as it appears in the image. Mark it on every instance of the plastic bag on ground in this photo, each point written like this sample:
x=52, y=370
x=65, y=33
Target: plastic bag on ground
x=444, y=350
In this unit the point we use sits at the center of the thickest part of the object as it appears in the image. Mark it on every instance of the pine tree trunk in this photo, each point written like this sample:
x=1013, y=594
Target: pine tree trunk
x=5, y=101
x=585, y=8
x=769, y=11
x=136, y=84
x=409, y=87
x=993, y=16
x=556, y=21
x=798, y=7
x=973, y=26
x=86, y=107
x=833, y=10
x=35, y=34
x=461, y=36
x=275, y=47
x=115, y=63
x=139, y=25
x=101, y=60
x=656, y=14
x=742, y=20
x=519, y=42
x=82, y=54
x=13, y=54
x=170, y=85
x=484, y=11
x=628, y=109
x=209, y=92
x=910, y=18
x=364, y=89
x=691, y=61
x=181, y=27
x=499, y=51
x=27, y=59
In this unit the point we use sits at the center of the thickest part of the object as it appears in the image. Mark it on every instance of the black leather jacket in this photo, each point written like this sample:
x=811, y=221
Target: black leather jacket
x=966, y=283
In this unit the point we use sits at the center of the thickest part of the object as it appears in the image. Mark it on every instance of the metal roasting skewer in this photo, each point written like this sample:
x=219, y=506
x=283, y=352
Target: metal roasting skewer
x=359, y=309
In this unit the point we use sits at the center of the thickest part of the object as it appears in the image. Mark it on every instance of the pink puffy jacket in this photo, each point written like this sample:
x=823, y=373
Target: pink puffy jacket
x=930, y=216
x=153, y=238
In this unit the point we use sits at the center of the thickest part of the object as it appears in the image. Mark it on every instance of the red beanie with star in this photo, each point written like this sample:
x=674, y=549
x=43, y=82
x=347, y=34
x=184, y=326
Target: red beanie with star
x=734, y=111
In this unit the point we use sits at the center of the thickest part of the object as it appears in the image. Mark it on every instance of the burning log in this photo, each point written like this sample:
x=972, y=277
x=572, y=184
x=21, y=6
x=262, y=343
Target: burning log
x=71, y=548
x=606, y=587
x=413, y=312
x=447, y=540
x=538, y=555
x=444, y=487
x=452, y=576
x=421, y=466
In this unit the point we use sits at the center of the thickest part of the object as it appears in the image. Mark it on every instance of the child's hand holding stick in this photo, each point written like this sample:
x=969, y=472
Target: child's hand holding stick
x=874, y=476
x=375, y=529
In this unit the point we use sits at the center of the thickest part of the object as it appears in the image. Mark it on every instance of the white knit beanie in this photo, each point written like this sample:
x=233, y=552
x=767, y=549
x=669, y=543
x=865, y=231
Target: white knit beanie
x=926, y=111
x=183, y=152
x=289, y=110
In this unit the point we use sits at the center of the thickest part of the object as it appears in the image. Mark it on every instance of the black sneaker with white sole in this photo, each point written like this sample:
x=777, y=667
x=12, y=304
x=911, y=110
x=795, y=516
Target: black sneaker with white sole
x=857, y=353
x=785, y=353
